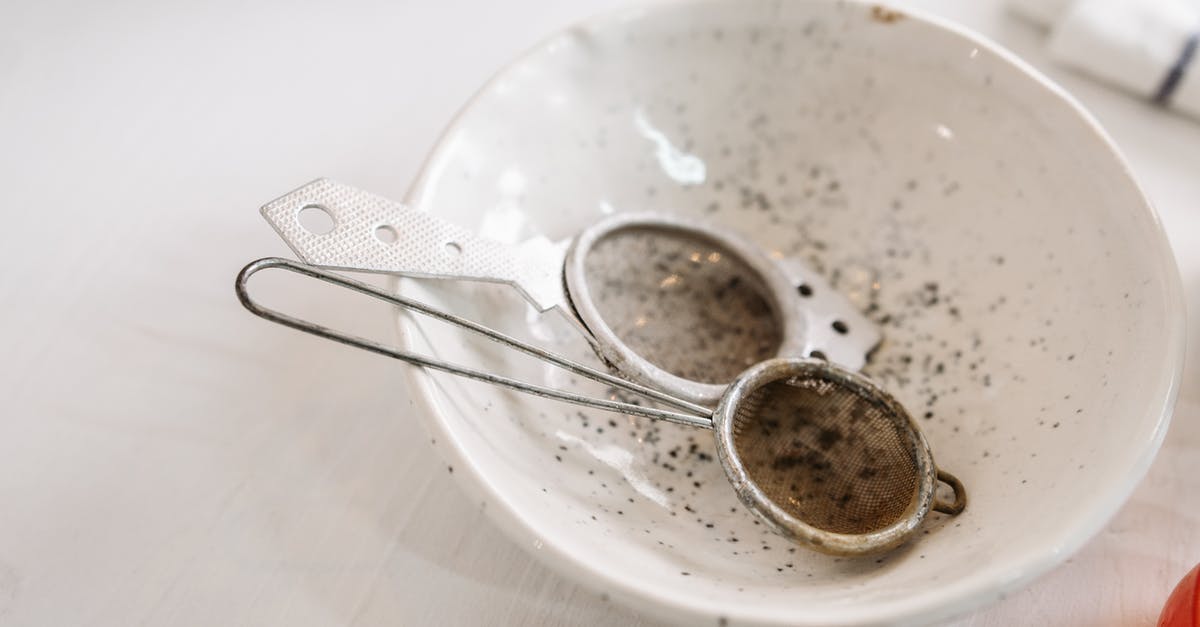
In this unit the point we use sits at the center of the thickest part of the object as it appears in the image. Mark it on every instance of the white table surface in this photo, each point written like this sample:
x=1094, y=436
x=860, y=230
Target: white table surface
x=165, y=458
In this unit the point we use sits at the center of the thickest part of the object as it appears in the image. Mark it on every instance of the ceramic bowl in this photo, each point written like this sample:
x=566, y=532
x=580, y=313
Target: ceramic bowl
x=1029, y=300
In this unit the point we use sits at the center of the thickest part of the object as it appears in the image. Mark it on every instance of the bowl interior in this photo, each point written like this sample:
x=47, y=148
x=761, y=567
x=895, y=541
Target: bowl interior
x=1029, y=305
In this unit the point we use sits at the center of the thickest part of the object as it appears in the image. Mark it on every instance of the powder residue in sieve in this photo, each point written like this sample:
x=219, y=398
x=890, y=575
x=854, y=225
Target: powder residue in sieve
x=827, y=455
x=682, y=302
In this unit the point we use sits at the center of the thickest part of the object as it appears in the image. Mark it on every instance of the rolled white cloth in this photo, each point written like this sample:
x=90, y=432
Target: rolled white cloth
x=1148, y=47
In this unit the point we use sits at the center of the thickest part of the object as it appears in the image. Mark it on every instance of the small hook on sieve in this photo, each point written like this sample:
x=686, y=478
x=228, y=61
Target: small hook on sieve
x=960, y=495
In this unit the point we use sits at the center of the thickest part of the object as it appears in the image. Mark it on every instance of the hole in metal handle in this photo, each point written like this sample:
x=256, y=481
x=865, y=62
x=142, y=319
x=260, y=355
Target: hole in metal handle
x=386, y=234
x=960, y=495
x=316, y=219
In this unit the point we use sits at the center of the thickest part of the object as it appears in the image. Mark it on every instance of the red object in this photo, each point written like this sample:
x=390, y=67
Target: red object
x=1183, y=606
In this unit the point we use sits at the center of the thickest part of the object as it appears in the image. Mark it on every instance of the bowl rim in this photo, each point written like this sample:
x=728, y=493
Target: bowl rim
x=953, y=598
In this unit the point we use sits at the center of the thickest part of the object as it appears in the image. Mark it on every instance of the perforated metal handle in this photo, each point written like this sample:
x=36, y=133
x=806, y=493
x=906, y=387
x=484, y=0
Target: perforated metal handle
x=835, y=329
x=375, y=234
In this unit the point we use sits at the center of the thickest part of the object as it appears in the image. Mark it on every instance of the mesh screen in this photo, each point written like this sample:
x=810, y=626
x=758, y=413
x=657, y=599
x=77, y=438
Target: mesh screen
x=827, y=454
x=682, y=302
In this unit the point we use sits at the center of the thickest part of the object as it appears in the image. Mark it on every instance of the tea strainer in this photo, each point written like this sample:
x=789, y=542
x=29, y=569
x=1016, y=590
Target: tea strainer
x=675, y=304
x=819, y=453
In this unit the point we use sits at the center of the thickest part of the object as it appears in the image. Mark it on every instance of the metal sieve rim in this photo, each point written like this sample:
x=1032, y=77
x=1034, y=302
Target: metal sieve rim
x=778, y=519
x=780, y=293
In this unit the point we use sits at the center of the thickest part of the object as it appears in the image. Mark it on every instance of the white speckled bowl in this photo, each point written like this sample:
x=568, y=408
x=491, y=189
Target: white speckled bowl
x=1030, y=303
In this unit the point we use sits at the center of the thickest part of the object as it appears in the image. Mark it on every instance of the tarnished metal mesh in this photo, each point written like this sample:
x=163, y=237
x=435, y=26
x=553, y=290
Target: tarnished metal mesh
x=828, y=453
x=684, y=303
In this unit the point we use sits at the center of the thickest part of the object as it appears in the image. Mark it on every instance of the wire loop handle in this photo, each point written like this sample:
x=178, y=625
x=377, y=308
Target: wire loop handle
x=696, y=416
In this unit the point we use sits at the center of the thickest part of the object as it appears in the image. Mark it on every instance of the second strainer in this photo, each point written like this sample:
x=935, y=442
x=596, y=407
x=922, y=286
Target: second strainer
x=820, y=453
x=827, y=458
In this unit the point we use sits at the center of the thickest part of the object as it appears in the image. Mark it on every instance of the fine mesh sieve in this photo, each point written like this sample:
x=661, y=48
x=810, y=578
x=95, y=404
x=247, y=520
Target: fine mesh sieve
x=674, y=304
x=821, y=454
x=684, y=303
x=826, y=457
x=681, y=306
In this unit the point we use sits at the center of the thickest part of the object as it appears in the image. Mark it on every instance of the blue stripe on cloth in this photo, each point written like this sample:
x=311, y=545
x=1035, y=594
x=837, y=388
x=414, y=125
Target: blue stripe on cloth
x=1175, y=75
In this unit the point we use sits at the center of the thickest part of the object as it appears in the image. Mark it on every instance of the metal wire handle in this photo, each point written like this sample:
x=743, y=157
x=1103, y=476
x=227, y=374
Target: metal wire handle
x=699, y=415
